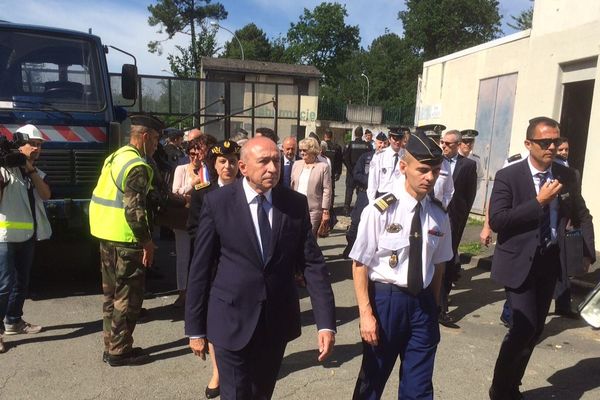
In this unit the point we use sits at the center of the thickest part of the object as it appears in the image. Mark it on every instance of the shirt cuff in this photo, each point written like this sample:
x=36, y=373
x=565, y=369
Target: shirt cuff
x=327, y=330
x=197, y=337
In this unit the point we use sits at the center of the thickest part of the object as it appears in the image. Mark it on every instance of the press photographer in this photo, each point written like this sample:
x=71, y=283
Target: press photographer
x=22, y=221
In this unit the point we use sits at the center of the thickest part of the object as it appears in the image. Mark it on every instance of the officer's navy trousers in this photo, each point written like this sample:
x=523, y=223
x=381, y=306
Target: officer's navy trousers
x=408, y=328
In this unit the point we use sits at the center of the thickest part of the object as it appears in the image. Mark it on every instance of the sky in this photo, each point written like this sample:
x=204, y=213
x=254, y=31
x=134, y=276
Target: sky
x=124, y=23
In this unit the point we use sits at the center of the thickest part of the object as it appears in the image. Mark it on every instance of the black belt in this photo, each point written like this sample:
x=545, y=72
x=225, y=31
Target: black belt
x=390, y=287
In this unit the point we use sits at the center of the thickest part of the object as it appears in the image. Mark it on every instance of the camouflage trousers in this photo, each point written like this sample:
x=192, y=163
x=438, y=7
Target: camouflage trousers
x=123, y=284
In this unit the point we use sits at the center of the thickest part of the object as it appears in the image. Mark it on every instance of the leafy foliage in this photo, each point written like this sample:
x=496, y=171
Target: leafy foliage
x=435, y=28
x=254, y=41
x=322, y=38
x=185, y=16
x=523, y=20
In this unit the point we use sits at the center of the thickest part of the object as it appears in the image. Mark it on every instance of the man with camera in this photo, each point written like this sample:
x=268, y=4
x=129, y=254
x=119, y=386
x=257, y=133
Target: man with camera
x=22, y=221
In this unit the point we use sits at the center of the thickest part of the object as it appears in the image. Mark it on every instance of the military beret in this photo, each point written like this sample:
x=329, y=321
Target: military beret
x=469, y=133
x=149, y=121
x=173, y=133
x=398, y=130
x=225, y=147
x=381, y=136
x=424, y=149
x=431, y=130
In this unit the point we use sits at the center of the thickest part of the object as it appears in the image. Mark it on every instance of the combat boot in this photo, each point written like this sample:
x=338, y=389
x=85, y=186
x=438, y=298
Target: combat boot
x=135, y=357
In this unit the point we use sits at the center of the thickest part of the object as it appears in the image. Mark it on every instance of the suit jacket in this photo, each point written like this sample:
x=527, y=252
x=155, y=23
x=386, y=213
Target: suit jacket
x=465, y=189
x=281, y=164
x=516, y=214
x=196, y=200
x=319, y=185
x=244, y=287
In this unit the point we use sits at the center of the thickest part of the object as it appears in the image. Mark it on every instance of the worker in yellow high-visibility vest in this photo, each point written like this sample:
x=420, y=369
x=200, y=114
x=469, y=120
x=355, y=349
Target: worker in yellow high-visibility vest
x=118, y=217
x=23, y=221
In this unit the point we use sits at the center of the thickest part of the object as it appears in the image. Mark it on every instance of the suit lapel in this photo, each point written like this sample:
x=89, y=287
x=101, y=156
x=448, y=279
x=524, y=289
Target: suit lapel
x=459, y=165
x=528, y=179
x=246, y=218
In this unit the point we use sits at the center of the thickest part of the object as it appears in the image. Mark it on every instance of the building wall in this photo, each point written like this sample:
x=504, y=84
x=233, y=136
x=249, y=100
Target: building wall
x=564, y=32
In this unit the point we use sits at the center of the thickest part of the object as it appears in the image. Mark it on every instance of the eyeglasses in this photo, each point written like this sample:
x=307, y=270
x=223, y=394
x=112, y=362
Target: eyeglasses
x=34, y=143
x=545, y=143
x=303, y=150
x=447, y=143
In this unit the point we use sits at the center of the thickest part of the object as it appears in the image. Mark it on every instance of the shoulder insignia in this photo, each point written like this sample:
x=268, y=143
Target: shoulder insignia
x=514, y=157
x=201, y=185
x=437, y=203
x=382, y=203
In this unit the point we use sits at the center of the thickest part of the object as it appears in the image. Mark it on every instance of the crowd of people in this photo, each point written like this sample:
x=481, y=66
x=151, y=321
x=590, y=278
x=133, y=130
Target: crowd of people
x=247, y=211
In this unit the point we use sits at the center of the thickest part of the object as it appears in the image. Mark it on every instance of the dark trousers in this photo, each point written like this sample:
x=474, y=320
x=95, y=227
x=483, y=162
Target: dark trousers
x=361, y=202
x=251, y=373
x=408, y=328
x=350, y=185
x=529, y=306
x=16, y=260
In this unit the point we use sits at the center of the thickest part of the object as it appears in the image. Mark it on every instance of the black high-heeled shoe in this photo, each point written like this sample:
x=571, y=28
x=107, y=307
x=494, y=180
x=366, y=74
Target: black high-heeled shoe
x=211, y=393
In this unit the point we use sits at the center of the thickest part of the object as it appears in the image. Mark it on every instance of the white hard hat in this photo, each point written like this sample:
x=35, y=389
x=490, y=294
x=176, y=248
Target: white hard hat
x=31, y=131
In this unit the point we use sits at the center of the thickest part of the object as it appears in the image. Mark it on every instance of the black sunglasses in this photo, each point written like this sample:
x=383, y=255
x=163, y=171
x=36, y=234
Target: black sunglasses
x=545, y=143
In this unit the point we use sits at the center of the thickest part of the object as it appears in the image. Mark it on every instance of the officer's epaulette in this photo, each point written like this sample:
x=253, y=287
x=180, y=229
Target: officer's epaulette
x=514, y=158
x=382, y=203
x=379, y=151
x=201, y=185
x=438, y=203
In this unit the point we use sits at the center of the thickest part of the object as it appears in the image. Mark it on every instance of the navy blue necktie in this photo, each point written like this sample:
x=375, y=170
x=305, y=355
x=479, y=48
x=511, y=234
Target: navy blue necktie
x=545, y=231
x=415, y=255
x=264, y=227
x=396, y=156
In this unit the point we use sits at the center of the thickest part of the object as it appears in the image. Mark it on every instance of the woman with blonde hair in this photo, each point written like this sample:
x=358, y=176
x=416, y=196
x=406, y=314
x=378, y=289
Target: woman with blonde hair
x=312, y=178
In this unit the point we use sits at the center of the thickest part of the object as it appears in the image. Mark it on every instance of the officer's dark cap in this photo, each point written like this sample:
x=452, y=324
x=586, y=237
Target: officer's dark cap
x=398, y=130
x=381, y=136
x=424, y=149
x=469, y=134
x=225, y=147
x=431, y=130
x=173, y=133
x=148, y=121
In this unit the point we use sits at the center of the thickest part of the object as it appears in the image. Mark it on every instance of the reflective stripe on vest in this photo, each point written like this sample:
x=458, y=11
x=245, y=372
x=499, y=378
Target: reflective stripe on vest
x=107, y=211
x=16, y=225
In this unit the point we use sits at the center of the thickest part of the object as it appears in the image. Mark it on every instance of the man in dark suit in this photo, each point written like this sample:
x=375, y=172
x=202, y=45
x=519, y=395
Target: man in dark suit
x=464, y=177
x=288, y=156
x=532, y=202
x=352, y=153
x=256, y=232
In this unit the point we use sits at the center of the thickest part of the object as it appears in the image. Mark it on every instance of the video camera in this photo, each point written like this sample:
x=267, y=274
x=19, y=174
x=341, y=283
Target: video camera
x=10, y=157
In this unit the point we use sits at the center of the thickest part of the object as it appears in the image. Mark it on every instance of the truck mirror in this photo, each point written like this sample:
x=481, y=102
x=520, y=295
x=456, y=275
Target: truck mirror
x=129, y=78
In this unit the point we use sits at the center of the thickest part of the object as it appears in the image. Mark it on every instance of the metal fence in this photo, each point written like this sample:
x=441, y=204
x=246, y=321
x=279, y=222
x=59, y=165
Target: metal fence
x=220, y=108
x=342, y=112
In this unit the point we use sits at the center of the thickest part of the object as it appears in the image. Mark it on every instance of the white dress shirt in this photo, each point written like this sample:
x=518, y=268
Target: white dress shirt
x=382, y=172
x=251, y=198
x=380, y=233
x=553, y=203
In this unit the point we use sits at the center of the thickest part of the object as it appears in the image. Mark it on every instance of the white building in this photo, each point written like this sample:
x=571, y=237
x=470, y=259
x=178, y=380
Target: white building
x=497, y=87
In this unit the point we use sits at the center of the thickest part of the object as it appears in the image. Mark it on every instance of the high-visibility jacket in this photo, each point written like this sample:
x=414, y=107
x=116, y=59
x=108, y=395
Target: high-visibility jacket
x=107, y=210
x=16, y=218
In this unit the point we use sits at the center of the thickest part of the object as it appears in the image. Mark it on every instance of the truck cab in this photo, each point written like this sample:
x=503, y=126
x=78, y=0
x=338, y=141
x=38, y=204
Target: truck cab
x=58, y=80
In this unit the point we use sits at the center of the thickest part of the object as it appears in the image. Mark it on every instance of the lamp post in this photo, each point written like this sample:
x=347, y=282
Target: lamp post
x=368, y=86
x=216, y=25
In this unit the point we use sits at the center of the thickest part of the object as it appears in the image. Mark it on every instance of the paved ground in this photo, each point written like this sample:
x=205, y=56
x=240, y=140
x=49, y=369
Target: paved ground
x=64, y=361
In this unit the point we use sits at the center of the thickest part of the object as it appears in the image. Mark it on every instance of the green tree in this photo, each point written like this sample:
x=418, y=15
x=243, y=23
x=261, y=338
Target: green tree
x=254, y=41
x=435, y=28
x=523, y=20
x=185, y=16
x=323, y=39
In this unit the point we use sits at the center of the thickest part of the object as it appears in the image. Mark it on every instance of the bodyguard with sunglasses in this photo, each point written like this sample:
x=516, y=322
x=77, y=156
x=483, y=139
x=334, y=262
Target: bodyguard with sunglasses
x=532, y=201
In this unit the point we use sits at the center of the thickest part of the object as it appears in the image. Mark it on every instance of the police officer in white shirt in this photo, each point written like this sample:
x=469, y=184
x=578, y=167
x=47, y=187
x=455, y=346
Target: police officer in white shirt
x=443, y=189
x=384, y=165
x=402, y=244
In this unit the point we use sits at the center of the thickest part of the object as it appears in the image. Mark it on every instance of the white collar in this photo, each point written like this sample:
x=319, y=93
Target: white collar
x=534, y=171
x=251, y=193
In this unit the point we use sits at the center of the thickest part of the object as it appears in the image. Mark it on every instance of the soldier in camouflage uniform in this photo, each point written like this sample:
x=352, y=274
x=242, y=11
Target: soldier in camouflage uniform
x=118, y=217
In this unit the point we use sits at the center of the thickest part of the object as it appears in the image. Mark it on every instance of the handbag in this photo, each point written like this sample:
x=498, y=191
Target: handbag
x=324, y=229
x=573, y=248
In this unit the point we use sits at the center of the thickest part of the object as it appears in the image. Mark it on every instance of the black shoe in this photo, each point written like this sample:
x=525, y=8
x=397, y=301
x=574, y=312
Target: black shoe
x=568, y=313
x=446, y=320
x=211, y=393
x=504, y=321
x=135, y=357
